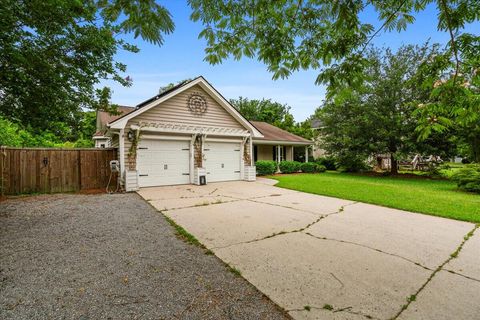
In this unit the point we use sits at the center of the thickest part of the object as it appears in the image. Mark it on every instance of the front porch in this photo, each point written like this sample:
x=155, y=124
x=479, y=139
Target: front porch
x=281, y=152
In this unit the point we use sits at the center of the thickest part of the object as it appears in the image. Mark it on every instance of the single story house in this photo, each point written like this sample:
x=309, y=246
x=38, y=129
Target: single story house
x=188, y=132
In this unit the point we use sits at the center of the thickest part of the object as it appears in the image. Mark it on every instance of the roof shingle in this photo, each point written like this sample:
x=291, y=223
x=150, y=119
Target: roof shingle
x=106, y=118
x=272, y=133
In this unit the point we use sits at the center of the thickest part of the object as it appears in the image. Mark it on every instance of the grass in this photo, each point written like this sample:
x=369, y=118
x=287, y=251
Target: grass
x=184, y=234
x=434, y=197
x=234, y=270
x=327, y=307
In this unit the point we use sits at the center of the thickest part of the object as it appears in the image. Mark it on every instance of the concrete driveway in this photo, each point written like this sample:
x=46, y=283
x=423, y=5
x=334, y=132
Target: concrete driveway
x=326, y=258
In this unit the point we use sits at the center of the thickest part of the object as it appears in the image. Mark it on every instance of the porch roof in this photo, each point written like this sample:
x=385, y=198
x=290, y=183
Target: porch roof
x=275, y=135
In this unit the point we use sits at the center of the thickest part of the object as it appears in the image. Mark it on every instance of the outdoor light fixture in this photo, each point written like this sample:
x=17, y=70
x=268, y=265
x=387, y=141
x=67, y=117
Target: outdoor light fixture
x=130, y=135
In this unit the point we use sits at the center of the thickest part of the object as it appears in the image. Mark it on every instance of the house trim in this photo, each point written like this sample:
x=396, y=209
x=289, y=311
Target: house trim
x=282, y=142
x=121, y=122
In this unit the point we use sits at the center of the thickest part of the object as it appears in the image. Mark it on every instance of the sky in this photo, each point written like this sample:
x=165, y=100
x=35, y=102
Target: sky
x=181, y=57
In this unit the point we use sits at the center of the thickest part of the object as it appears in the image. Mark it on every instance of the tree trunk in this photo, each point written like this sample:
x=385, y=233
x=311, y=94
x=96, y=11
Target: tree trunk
x=476, y=150
x=393, y=165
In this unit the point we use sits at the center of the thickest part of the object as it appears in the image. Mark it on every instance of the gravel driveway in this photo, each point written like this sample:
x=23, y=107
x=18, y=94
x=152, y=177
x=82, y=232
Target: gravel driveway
x=111, y=257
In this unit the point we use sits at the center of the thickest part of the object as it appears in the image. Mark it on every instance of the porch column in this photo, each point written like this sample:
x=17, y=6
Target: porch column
x=278, y=158
x=306, y=153
x=242, y=157
x=252, y=160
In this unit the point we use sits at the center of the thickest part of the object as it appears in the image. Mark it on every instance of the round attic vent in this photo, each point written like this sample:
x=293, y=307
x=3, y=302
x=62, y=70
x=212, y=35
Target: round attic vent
x=197, y=103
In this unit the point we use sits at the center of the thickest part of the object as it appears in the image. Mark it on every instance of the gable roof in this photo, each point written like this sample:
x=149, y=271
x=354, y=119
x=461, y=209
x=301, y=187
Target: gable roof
x=272, y=133
x=121, y=122
x=105, y=117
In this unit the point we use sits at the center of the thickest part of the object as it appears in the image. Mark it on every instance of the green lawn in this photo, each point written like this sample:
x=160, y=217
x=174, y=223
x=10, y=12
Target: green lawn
x=434, y=197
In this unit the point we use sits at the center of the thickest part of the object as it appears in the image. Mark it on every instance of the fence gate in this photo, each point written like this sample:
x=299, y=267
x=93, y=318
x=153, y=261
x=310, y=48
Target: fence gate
x=48, y=170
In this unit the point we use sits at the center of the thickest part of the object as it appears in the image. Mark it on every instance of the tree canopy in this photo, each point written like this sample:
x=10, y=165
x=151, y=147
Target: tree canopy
x=55, y=53
x=273, y=113
x=452, y=103
x=378, y=117
x=289, y=35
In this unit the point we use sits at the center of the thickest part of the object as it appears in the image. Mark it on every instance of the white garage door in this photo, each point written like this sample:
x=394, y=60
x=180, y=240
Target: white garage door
x=163, y=162
x=222, y=161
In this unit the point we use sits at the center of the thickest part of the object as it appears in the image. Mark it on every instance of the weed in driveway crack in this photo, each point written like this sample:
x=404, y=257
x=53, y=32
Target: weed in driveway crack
x=184, y=234
x=328, y=307
x=454, y=255
x=234, y=270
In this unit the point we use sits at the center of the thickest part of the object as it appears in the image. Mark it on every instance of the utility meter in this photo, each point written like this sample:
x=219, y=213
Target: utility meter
x=114, y=166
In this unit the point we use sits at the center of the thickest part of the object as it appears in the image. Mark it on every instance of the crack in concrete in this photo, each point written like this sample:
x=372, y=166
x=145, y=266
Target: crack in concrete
x=306, y=211
x=344, y=309
x=214, y=190
x=339, y=281
x=197, y=205
x=371, y=248
x=175, y=198
x=454, y=255
x=341, y=209
x=323, y=216
x=252, y=198
x=462, y=275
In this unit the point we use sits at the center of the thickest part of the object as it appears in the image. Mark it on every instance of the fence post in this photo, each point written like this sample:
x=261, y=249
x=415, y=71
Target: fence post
x=79, y=161
x=3, y=155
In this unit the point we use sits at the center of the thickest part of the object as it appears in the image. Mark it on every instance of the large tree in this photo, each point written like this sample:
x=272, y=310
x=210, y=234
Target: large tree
x=376, y=117
x=55, y=53
x=264, y=110
x=273, y=113
x=289, y=35
x=453, y=100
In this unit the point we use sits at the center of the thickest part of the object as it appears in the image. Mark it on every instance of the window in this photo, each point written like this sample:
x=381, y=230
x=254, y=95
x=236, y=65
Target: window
x=102, y=145
x=255, y=153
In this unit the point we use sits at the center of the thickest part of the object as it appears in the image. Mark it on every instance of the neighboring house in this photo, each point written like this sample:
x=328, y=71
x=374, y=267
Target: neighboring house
x=317, y=150
x=187, y=132
x=102, y=140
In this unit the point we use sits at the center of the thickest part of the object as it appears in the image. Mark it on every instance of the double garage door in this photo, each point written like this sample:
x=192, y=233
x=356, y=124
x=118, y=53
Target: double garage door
x=167, y=162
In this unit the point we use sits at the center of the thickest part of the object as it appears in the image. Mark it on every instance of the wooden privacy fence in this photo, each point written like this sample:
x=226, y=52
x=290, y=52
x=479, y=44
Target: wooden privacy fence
x=48, y=170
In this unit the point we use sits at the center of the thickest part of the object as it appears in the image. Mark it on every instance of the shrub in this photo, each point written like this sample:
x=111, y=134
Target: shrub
x=468, y=178
x=329, y=162
x=84, y=143
x=312, y=167
x=290, y=166
x=265, y=167
x=309, y=167
x=352, y=163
